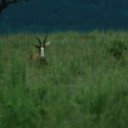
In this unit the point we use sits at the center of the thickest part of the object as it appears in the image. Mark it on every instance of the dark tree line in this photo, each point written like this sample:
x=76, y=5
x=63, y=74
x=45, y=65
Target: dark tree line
x=5, y=3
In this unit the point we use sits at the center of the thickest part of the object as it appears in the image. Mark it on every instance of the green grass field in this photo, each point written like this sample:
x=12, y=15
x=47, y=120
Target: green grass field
x=83, y=86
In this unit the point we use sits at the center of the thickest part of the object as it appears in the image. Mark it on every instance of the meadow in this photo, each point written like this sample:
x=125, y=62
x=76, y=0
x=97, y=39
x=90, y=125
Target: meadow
x=84, y=85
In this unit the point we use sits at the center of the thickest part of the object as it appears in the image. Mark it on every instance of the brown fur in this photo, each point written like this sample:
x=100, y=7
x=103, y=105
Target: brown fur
x=35, y=58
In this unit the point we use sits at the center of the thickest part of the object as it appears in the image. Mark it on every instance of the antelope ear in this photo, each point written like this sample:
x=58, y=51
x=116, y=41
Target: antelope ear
x=37, y=46
x=47, y=43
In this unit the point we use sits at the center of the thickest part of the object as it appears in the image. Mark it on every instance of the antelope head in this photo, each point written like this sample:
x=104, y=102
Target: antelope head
x=41, y=47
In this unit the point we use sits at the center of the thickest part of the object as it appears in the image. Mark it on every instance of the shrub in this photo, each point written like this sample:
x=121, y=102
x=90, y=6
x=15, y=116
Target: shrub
x=117, y=48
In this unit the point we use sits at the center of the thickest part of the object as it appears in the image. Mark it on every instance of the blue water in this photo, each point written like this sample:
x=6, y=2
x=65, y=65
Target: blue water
x=62, y=15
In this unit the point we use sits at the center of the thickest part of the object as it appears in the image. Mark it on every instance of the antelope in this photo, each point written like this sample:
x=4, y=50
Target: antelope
x=40, y=56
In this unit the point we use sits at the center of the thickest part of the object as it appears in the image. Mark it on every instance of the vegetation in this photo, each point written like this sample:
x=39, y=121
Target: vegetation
x=83, y=86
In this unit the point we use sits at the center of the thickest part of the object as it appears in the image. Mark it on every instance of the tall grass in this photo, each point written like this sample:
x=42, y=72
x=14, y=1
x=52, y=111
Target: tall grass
x=83, y=86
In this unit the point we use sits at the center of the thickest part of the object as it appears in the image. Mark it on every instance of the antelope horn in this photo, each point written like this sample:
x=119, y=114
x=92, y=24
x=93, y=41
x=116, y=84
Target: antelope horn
x=44, y=41
x=40, y=43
